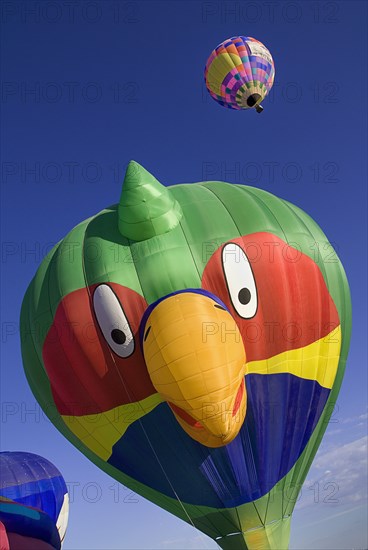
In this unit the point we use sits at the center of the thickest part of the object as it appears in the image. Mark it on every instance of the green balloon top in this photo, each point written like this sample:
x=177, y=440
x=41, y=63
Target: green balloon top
x=146, y=207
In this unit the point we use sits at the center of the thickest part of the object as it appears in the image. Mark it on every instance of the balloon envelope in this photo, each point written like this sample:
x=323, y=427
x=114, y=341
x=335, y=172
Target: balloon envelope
x=194, y=343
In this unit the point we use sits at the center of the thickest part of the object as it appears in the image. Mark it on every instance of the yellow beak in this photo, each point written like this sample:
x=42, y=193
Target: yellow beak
x=196, y=360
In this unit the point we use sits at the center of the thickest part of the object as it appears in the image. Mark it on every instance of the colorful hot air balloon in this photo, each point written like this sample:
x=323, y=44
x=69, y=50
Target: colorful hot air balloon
x=193, y=343
x=33, y=481
x=239, y=73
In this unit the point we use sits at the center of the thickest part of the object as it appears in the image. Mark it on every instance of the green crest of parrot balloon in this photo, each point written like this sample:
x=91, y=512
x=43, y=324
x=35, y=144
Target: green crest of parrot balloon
x=191, y=343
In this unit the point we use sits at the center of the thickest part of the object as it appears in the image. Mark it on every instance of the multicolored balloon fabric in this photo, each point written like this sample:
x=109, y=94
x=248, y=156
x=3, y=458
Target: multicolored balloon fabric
x=193, y=340
x=32, y=481
x=25, y=528
x=240, y=73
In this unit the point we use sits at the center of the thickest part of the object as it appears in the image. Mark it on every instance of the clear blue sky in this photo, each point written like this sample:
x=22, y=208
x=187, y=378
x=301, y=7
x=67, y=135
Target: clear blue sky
x=114, y=81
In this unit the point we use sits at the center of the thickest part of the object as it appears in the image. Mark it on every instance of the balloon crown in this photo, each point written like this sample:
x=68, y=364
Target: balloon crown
x=146, y=207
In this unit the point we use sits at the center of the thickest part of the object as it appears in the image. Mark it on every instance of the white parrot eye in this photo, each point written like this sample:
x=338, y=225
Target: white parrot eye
x=240, y=280
x=112, y=321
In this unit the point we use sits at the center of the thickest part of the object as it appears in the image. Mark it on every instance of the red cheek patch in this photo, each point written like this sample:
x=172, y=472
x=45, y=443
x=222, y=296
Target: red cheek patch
x=86, y=376
x=294, y=305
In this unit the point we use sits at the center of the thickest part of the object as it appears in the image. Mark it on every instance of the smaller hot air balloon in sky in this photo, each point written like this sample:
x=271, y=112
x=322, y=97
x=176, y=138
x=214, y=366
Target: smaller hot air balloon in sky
x=239, y=73
x=34, y=497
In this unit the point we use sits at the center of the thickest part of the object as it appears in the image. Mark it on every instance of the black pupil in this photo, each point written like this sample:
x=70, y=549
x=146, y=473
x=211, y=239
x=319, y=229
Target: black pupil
x=118, y=336
x=244, y=296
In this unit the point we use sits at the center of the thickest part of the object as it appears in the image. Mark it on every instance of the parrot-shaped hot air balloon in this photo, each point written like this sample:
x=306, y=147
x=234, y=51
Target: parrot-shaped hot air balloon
x=32, y=487
x=239, y=73
x=193, y=340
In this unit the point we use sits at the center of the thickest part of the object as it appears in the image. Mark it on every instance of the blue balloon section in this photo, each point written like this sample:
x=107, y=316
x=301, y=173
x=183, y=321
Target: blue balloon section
x=33, y=500
x=240, y=472
x=31, y=524
x=32, y=480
